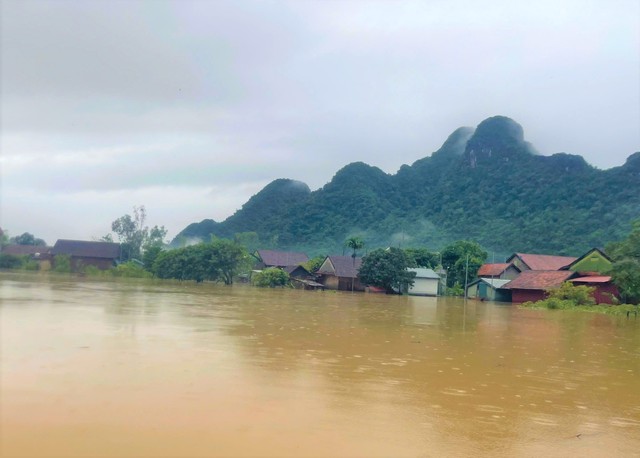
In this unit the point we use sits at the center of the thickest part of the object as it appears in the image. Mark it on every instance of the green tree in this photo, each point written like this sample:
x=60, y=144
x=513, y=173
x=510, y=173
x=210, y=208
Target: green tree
x=314, y=264
x=150, y=255
x=62, y=263
x=134, y=235
x=387, y=269
x=27, y=239
x=271, y=277
x=625, y=270
x=454, y=260
x=219, y=260
x=421, y=257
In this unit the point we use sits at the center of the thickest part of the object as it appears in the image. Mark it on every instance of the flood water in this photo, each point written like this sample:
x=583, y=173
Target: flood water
x=149, y=369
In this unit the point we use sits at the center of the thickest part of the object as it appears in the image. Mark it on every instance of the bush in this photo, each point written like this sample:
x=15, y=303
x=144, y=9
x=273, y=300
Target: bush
x=130, y=270
x=579, y=295
x=271, y=278
x=62, y=263
x=9, y=261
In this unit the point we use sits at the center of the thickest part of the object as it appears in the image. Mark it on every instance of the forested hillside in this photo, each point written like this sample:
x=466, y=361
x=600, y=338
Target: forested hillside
x=486, y=184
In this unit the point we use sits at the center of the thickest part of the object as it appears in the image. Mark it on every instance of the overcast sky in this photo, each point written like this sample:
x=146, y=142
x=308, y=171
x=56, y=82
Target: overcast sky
x=191, y=107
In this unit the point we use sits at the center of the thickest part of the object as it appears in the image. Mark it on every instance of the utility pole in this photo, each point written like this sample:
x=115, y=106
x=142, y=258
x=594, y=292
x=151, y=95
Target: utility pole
x=466, y=277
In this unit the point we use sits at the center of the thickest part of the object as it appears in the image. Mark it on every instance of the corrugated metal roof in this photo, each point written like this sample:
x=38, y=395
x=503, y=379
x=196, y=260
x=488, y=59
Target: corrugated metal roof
x=273, y=258
x=539, y=279
x=87, y=249
x=545, y=261
x=424, y=273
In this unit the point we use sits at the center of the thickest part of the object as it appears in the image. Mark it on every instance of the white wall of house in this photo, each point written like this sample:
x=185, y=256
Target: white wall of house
x=425, y=283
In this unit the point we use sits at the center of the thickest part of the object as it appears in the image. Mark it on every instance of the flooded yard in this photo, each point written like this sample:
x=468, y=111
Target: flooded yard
x=147, y=369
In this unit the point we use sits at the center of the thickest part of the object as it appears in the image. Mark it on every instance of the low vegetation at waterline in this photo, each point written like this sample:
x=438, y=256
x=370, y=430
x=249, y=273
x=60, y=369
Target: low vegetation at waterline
x=271, y=277
x=572, y=297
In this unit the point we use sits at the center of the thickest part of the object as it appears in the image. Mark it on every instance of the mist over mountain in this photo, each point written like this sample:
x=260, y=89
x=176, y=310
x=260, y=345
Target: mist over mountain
x=486, y=184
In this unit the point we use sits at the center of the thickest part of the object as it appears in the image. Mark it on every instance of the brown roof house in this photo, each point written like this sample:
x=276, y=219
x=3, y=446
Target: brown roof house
x=524, y=261
x=532, y=285
x=341, y=273
x=102, y=255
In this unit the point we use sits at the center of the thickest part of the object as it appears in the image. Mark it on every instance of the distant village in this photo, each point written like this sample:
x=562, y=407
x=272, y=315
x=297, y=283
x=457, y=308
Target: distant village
x=522, y=277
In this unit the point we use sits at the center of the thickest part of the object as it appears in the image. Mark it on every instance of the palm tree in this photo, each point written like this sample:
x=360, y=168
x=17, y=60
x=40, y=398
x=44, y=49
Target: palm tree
x=355, y=243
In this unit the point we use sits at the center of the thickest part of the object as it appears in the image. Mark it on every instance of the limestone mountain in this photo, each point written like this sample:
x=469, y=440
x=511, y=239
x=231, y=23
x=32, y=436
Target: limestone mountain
x=487, y=184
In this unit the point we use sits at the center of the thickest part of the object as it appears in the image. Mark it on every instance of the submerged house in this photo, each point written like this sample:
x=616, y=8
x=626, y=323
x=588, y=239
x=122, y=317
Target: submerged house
x=532, y=285
x=489, y=289
x=605, y=292
x=425, y=283
x=340, y=273
x=102, y=255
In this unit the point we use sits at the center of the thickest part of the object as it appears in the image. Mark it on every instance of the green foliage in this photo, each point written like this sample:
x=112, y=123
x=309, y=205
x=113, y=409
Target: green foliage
x=249, y=240
x=27, y=239
x=271, y=278
x=355, y=244
x=455, y=290
x=150, y=255
x=130, y=270
x=29, y=264
x=625, y=271
x=578, y=295
x=62, y=263
x=421, y=257
x=134, y=235
x=483, y=185
x=219, y=260
x=387, y=269
x=314, y=264
x=567, y=296
x=9, y=261
x=462, y=258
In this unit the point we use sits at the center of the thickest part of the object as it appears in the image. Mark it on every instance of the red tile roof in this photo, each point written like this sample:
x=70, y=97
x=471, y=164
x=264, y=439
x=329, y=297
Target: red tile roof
x=539, y=279
x=492, y=270
x=592, y=279
x=544, y=261
x=272, y=258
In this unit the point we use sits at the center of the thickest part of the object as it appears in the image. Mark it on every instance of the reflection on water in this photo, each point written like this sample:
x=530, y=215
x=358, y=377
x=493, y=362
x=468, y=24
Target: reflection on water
x=148, y=369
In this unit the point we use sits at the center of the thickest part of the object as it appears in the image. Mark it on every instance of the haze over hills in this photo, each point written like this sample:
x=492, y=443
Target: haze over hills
x=485, y=184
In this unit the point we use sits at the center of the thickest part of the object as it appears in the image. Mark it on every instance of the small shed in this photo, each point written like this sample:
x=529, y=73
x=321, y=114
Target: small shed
x=489, y=289
x=425, y=282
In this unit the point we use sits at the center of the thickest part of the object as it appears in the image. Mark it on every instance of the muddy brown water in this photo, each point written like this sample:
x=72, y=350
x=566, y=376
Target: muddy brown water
x=149, y=369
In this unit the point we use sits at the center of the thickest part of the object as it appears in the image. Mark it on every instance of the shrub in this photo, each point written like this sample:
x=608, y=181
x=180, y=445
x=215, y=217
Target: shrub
x=9, y=261
x=271, y=277
x=62, y=263
x=131, y=270
x=578, y=295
